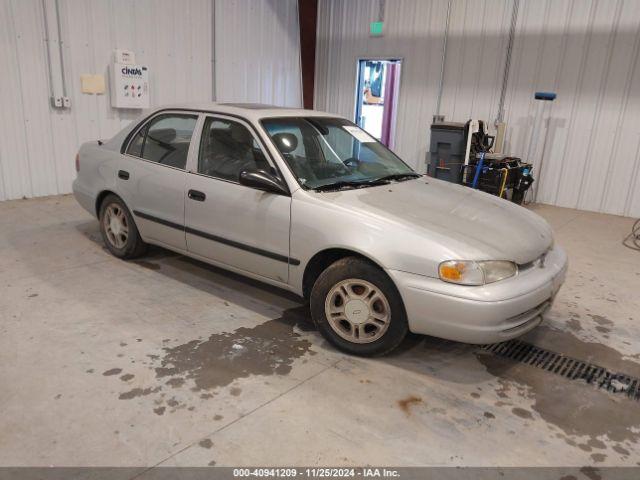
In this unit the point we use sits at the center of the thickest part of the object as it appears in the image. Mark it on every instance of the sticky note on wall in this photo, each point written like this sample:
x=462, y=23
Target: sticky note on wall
x=92, y=83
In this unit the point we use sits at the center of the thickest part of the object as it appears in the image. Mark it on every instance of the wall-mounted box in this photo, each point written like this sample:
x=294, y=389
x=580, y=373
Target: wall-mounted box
x=126, y=57
x=129, y=86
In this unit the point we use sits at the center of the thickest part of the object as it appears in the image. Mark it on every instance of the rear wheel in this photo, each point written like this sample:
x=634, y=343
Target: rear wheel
x=357, y=308
x=118, y=229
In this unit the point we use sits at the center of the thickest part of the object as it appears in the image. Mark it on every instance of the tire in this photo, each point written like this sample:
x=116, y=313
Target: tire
x=344, y=301
x=121, y=245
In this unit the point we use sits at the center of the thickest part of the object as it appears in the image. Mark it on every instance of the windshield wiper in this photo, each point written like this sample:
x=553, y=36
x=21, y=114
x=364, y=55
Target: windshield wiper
x=350, y=183
x=366, y=183
x=399, y=176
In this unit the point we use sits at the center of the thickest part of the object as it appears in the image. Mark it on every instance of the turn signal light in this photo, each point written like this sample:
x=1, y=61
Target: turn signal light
x=465, y=272
x=451, y=271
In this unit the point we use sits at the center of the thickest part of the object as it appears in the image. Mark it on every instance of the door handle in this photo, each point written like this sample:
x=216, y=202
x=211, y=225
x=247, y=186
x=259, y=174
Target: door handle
x=196, y=195
x=123, y=174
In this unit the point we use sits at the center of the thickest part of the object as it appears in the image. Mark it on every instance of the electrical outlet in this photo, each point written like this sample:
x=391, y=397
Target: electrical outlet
x=66, y=102
x=56, y=102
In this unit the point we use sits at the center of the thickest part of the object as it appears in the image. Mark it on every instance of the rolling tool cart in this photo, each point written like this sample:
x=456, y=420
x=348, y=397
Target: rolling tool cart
x=501, y=175
x=461, y=153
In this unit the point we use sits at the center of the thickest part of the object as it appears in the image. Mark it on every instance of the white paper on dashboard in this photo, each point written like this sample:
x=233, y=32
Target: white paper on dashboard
x=360, y=135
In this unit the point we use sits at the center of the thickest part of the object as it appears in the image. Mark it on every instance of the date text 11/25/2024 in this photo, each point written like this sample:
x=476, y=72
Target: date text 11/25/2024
x=316, y=472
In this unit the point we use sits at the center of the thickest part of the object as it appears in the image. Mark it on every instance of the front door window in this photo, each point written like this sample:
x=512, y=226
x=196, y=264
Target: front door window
x=227, y=148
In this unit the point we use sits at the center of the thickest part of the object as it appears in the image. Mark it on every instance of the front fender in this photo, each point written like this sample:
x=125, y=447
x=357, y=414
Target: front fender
x=317, y=226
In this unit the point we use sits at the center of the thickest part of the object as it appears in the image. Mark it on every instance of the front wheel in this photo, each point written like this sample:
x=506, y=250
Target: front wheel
x=358, y=309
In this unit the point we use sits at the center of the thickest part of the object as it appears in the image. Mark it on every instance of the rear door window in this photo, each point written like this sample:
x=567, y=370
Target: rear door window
x=135, y=146
x=165, y=139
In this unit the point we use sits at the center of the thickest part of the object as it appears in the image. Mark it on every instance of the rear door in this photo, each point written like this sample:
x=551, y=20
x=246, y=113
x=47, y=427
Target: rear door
x=230, y=223
x=156, y=175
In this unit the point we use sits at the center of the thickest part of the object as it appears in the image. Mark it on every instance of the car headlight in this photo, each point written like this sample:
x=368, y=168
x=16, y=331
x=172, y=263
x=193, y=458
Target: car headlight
x=476, y=273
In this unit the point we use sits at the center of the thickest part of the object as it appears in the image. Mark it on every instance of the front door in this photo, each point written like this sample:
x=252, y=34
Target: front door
x=155, y=179
x=229, y=223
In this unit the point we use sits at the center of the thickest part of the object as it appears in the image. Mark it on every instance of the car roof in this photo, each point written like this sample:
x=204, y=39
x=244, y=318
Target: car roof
x=251, y=111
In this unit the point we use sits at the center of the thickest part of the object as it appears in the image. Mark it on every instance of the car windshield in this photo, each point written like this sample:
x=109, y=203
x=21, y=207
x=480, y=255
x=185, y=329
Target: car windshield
x=331, y=153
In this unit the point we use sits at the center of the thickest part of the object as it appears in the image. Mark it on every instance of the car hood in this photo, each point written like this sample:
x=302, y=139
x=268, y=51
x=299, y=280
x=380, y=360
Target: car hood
x=482, y=224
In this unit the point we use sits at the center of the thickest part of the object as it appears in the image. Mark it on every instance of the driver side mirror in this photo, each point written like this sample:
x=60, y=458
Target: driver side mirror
x=261, y=180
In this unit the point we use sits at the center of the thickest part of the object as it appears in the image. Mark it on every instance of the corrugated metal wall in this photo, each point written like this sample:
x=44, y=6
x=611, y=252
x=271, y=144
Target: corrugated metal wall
x=585, y=50
x=413, y=31
x=257, y=57
x=258, y=52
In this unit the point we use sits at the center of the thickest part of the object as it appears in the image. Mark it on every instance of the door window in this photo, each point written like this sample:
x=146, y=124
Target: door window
x=165, y=139
x=227, y=148
x=135, y=147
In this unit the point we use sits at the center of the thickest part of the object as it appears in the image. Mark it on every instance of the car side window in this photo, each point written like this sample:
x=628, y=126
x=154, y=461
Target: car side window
x=227, y=148
x=165, y=139
x=135, y=146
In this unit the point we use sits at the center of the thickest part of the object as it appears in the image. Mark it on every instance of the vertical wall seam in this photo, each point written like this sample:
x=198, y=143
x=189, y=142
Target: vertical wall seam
x=96, y=101
x=339, y=66
x=3, y=194
x=447, y=26
x=417, y=145
x=520, y=19
x=213, y=52
x=534, y=82
x=73, y=116
x=479, y=65
x=578, y=89
x=10, y=32
x=565, y=36
x=537, y=72
x=600, y=100
x=507, y=56
x=64, y=24
x=633, y=179
x=53, y=115
x=22, y=105
x=46, y=43
x=556, y=82
x=621, y=114
x=461, y=65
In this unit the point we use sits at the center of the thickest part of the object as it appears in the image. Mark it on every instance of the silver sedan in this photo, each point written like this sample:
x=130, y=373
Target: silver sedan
x=309, y=202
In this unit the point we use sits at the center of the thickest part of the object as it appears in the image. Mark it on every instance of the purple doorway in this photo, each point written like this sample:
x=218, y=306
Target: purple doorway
x=377, y=97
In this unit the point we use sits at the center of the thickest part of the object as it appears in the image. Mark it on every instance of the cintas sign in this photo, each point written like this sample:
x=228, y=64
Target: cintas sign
x=132, y=71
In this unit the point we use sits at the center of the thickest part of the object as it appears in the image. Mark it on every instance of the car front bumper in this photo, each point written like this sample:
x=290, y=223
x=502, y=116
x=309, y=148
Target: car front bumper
x=483, y=314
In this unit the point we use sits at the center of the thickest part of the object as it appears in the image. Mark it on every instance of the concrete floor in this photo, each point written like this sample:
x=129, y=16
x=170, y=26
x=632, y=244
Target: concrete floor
x=167, y=361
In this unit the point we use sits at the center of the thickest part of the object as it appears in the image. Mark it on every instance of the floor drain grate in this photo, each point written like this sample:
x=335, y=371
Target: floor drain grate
x=568, y=367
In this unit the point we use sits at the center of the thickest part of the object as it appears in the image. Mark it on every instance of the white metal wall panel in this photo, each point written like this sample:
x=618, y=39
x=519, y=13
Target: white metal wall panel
x=585, y=50
x=476, y=49
x=38, y=143
x=16, y=177
x=257, y=58
x=257, y=52
x=35, y=115
x=413, y=31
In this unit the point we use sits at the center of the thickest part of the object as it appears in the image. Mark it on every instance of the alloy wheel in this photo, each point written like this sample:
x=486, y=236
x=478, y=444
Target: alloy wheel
x=115, y=226
x=357, y=310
